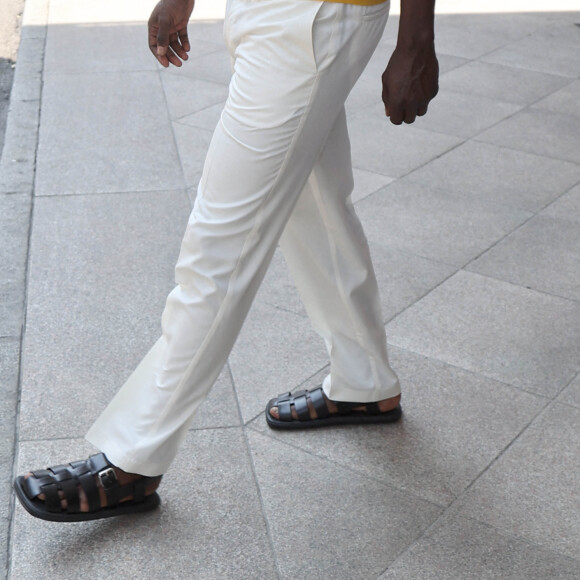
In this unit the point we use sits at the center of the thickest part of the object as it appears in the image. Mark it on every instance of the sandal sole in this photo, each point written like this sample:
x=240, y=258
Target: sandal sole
x=37, y=509
x=353, y=418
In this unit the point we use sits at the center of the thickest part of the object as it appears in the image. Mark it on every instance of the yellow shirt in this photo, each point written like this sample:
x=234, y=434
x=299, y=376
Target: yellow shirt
x=359, y=2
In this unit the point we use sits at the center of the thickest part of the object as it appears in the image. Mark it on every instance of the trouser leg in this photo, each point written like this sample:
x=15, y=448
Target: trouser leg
x=294, y=65
x=328, y=256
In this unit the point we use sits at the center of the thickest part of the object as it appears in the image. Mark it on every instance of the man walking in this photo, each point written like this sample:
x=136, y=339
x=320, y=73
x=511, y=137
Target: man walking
x=278, y=171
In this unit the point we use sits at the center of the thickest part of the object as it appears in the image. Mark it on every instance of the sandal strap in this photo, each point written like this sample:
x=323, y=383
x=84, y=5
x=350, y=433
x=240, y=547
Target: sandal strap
x=345, y=408
x=84, y=473
x=299, y=400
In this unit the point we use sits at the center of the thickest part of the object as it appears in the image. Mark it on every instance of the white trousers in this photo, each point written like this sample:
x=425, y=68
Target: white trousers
x=278, y=169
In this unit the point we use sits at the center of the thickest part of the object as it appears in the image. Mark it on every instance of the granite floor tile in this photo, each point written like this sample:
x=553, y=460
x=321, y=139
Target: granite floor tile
x=566, y=207
x=96, y=11
x=209, y=525
x=187, y=96
x=100, y=48
x=565, y=101
x=278, y=288
x=465, y=115
x=207, y=118
x=502, y=83
x=411, y=217
x=452, y=429
x=481, y=171
x=469, y=36
x=192, y=144
x=501, y=331
x=214, y=67
x=14, y=226
x=457, y=548
x=367, y=182
x=275, y=352
x=571, y=394
x=117, y=136
x=541, y=132
x=552, y=49
x=100, y=269
x=9, y=368
x=532, y=491
x=18, y=158
x=401, y=149
x=220, y=409
x=403, y=278
x=328, y=522
x=544, y=254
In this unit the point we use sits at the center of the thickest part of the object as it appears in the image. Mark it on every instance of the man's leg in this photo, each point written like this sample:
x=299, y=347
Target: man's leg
x=328, y=256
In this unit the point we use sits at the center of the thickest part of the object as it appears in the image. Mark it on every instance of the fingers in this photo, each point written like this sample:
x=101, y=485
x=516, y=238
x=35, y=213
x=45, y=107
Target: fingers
x=168, y=47
x=399, y=114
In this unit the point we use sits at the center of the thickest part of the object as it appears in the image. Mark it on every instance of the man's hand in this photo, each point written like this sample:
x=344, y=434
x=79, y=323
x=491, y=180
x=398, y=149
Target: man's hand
x=411, y=78
x=168, y=38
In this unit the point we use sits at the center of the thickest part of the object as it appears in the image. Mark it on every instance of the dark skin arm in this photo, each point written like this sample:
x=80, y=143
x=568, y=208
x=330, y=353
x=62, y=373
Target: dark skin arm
x=168, y=40
x=409, y=82
x=411, y=78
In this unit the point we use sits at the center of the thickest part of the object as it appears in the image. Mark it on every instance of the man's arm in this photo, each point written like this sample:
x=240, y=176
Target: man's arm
x=411, y=78
x=168, y=38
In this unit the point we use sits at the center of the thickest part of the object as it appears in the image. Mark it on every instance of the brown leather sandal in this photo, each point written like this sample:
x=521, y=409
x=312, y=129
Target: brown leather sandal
x=346, y=415
x=88, y=474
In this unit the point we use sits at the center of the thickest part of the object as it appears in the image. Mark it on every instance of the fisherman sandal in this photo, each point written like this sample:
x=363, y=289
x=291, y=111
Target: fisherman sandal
x=347, y=414
x=64, y=482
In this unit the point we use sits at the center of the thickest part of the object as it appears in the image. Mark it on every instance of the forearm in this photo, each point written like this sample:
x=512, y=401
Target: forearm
x=417, y=22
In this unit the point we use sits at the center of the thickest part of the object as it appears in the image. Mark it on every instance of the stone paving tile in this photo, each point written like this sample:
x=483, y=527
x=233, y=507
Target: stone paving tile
x=18, y=155
x=541, y=132
x=544, y=254
x=209, y=525
x=88, y=255
x=411, y=217
x=403, y=278
x=275, y=352
x=106, y=48
x=452, y=113
x=401, y=150
x=503, y=83
x=192, y=144
x=9, y=367
x=329, y=522
x=467, y=36
x=220, y=409
x=457, y=548
x=278, y=289
x=564, y=101
x=505, y=332
x=213, y=67
x=14, y=226
x=553, y=49
x=452, y=429
x=207, y=118
x=532, y=490
x=480, y=171
x=96, y=11
x=186, y=95
x=571, y=394
x=112, y=141
x=367, y=182
x=566, y=207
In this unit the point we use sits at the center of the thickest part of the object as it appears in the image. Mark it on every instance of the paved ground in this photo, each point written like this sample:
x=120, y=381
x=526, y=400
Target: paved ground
x=10, y=13
x=473, y=219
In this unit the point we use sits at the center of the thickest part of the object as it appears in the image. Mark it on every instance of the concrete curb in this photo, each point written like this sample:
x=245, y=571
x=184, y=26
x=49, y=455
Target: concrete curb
x=17, y=171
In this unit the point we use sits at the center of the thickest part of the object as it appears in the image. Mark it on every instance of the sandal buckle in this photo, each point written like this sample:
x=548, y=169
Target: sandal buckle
x=108, y=478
